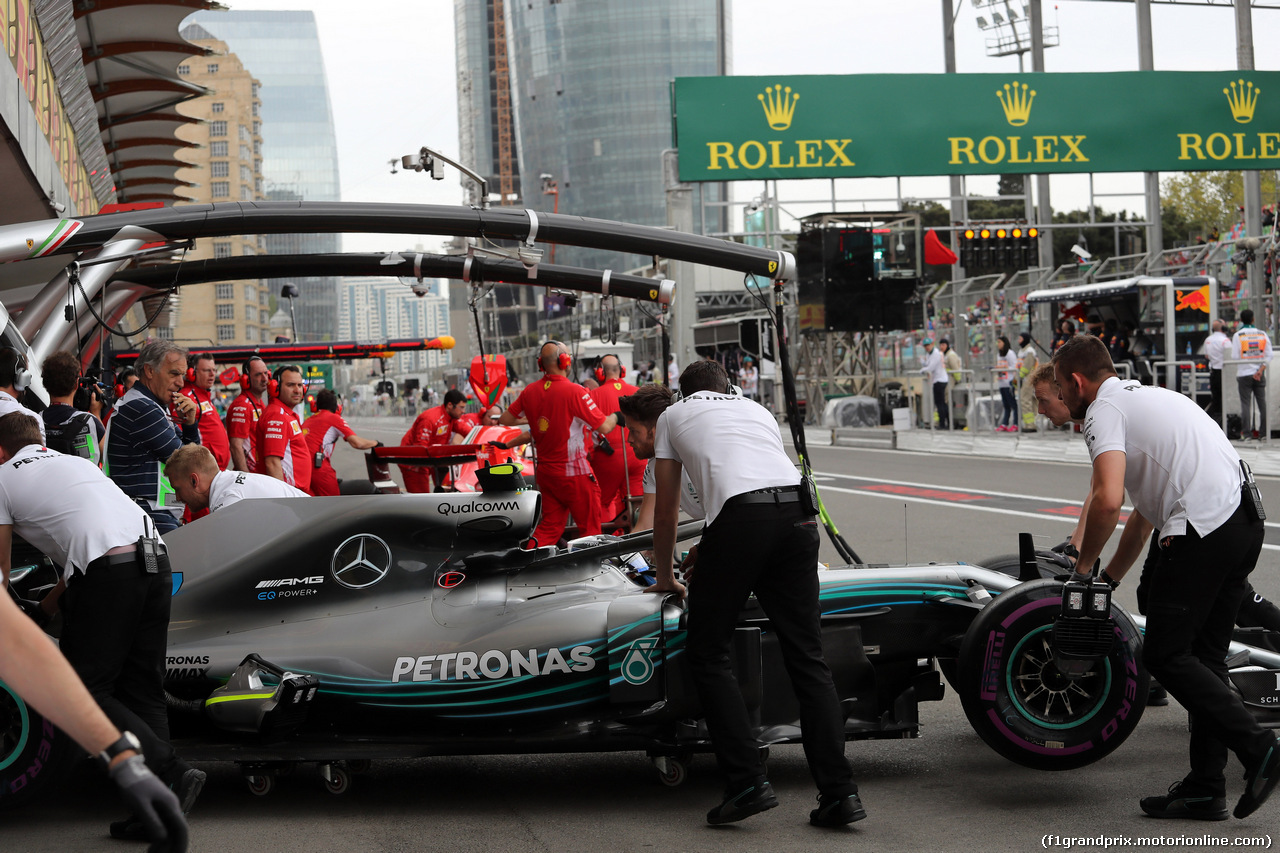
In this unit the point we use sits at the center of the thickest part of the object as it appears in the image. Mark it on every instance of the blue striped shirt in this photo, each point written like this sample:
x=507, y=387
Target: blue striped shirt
x=141, y=435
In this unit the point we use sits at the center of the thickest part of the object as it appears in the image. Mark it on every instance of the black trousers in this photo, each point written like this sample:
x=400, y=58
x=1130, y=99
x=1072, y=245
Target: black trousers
x=115, y=633
x=771, y=551
x=940, y=405
x=1192, y=599
x=1215, y=395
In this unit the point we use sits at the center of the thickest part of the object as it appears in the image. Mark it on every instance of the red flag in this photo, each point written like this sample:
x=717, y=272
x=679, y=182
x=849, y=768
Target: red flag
x=488, y=379
x=936, y=253
x=230, y=375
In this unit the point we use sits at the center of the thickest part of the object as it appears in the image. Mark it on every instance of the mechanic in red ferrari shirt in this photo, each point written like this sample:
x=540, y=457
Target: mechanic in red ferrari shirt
x=201, y=373
x=244, y=413
x=434, y=426
x=322, y=431
x=282, y=448
x=620, y=473
x=559, y=412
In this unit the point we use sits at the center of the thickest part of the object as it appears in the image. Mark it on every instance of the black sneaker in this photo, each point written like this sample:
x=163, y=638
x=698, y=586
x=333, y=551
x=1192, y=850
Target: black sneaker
x=189, y=787
x=1260, y=781
x=751, y=800
x=1179, y=804
x=837, y=811
x=129, y=829
x=1157, y=696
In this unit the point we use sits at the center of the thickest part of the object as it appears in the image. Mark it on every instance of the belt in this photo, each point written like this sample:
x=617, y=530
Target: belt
x=776, y=495
x=127, y=558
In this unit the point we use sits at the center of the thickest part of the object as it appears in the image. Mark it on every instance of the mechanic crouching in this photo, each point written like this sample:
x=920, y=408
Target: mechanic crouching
x=201, y=485
x=761, y=537
x=118, y=587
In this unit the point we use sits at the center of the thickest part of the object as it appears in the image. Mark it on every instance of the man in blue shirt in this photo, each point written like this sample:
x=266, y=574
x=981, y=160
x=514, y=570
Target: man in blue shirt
x=141, y=436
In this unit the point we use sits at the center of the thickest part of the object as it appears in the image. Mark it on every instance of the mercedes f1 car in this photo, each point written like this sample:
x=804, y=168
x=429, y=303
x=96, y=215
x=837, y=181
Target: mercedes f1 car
x=346, y=629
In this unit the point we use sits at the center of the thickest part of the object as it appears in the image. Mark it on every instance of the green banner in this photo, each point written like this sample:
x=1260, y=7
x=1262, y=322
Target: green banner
x=885, y=125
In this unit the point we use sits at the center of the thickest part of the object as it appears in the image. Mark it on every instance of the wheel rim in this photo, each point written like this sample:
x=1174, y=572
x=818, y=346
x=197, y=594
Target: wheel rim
x=15, y=726
x=1042, y=693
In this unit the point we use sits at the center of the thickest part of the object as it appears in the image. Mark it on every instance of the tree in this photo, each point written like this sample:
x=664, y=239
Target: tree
x=1207, y=200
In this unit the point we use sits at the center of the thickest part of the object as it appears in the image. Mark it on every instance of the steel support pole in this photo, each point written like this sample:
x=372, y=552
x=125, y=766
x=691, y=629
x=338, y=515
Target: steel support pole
x=957, y=190
x=1045, y=209
x=1146, y=62
x=1252, y=178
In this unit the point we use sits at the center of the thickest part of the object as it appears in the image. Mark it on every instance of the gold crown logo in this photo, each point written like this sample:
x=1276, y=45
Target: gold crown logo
x=1016, y=101
x=1243, y=100
x=779, y=106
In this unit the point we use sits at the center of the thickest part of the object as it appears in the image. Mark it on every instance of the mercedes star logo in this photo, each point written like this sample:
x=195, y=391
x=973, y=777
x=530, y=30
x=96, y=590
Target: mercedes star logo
x=361, y=561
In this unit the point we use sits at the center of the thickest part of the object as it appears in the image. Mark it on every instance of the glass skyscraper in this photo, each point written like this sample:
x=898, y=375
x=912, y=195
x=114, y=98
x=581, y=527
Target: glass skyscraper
x=299, y=151
x=590, y=98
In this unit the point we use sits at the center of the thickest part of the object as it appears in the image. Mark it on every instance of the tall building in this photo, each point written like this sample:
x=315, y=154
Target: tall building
x=589, y=93
x=299, y=150
x=226, y=165
x=378, y=308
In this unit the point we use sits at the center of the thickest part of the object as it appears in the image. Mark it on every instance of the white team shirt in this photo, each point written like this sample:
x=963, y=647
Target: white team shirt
x=935, y=367
x=729, y=445
x=76, y=523
x=1252, y=345
x=9, y=404
x=1179, y=466
x=690, y=503
x=231, y=486
x=1215, y=349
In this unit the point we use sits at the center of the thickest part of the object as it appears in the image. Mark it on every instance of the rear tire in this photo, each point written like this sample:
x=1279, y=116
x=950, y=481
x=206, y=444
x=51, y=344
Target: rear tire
x=1011, y=565
x=1023, y=707
x=34, y=754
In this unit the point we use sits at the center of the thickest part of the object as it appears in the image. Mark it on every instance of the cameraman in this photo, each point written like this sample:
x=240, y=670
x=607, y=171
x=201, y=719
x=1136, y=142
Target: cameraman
x=68, y=428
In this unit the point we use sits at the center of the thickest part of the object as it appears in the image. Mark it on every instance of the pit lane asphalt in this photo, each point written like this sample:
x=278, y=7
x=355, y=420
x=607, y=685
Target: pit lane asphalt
x=944, y=791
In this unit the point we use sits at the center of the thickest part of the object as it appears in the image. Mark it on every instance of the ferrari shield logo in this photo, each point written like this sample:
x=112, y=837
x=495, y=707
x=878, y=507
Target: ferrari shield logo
x=30, y=243
x=773, y=266
x=637, y=666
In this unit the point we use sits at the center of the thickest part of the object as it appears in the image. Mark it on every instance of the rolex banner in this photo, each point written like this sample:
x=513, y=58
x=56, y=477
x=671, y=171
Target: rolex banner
x=884, y=125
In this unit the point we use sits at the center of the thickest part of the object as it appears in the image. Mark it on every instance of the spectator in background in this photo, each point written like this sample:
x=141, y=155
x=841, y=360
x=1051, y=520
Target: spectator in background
x=673, y=372
x=1006, y=368
x=68, y=429
x=936, y=375
x=1252, y=346
x=951, y=360
x=750, y=378
x=1215, y=352
x=141, y=436
x=322, y=431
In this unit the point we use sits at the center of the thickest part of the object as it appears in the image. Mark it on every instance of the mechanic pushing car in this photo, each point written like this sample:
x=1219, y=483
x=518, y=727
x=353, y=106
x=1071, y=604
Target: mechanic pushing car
x=201, y=485
x=322, y=431
x=761, y=537
x=34, y=668
x=559, y=413
x=244, y=412
x=118, y=588
x=1184, y=477
x=282, y=448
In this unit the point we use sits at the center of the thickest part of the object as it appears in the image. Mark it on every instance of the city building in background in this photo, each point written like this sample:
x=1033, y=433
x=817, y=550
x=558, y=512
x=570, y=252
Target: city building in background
x=226, y=165
x=377, y=308
x=299, y=148
x=591, y=103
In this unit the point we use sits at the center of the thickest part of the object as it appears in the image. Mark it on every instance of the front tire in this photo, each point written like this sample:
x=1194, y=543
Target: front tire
x=1018, y=701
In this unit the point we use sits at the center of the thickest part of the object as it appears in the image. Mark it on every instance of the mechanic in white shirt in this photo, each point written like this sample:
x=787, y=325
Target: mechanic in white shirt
x=1185, y=478
x=761, y=537
x=936, y=371
x=199, y=483
x=14, y=379
x=118, y=586
x=1253, y=347
x=1215, y=351
x=642, y=410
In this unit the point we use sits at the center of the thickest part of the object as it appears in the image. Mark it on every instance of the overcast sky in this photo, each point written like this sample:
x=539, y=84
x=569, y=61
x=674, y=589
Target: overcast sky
x=391, y=75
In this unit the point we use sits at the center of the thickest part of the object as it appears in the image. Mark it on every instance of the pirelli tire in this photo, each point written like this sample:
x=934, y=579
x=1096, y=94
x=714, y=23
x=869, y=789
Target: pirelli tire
x=1023, y=707
x=34, y=754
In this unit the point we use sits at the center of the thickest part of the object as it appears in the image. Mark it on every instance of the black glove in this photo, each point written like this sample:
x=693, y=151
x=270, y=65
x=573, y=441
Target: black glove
x=501, y=445
x=622, y=419
x=151, y=801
